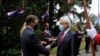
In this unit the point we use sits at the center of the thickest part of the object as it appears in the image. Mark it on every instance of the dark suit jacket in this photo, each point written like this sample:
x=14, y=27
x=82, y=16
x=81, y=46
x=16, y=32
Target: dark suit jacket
x=30, y=44
x=66, y=47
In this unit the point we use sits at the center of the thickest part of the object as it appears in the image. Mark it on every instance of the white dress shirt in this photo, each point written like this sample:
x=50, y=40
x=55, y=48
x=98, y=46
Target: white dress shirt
x=65, y=32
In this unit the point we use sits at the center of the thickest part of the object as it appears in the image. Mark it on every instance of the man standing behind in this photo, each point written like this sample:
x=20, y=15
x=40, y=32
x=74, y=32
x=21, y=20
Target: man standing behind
x=29, y=41
x=78, y=34
x=65, y=42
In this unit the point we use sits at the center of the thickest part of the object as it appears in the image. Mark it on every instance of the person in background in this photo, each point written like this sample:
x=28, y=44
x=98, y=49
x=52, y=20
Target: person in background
x=47, y=33
x=95, y=44
x=55, y=29
x=87, y=40
x=92, y=33
x=87, y=43
x=78, y=34
x=30, y=44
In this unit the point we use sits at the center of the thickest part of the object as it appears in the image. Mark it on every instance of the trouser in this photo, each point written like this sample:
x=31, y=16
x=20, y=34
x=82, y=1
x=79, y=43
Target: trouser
x=87, y=40
x=78, y=43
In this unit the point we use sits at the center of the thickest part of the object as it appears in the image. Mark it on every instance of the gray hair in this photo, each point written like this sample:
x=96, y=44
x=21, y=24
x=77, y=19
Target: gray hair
x=65, y=18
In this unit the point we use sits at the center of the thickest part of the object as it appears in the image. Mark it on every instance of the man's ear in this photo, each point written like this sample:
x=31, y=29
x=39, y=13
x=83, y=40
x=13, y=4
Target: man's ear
x=36, y=21
x=34, y=24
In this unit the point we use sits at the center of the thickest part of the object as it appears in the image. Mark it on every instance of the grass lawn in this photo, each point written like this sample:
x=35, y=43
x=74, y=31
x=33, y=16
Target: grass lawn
x=53, y=52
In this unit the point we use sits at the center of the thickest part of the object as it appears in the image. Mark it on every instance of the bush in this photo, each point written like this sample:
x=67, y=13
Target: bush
x=10, y=52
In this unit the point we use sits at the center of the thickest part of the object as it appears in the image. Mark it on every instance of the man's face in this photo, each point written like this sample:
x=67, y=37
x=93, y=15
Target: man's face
x=47, y=26
x=78, y=25
x=34, y=23
x=87, y=25
x=65, y=24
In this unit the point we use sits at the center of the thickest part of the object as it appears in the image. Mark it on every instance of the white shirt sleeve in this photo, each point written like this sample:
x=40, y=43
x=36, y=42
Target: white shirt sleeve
x=91, y=32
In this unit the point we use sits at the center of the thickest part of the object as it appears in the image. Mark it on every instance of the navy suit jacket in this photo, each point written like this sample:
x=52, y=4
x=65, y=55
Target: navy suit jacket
x=30, y=44
x=67, y=46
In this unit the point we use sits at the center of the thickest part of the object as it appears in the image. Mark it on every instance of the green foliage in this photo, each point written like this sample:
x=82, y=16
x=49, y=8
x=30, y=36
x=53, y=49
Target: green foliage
x=73, y=28
x=79, y=2
x=10, y=52
x=39, y=31
x=28, y=10
x=65, y=8
x=93, y=18
x=53, y=51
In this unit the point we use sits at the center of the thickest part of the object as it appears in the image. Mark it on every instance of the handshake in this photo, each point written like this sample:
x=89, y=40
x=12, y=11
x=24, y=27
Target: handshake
x=47, y=46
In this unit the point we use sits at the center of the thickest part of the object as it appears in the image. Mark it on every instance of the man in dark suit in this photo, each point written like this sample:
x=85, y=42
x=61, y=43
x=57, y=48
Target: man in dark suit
x=65, y=41
x=29, y=41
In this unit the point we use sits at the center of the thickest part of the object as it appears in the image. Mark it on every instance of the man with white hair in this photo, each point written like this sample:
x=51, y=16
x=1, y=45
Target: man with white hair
x=65, y=42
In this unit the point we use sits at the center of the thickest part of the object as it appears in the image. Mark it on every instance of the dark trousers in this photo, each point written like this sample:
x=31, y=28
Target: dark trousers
x=78, y=43
x=95, y=46
x=87, y=41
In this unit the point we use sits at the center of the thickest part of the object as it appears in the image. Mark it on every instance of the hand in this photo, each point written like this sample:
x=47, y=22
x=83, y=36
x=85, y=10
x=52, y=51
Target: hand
x=50, y=39
x=43, y=42
x=48, y=47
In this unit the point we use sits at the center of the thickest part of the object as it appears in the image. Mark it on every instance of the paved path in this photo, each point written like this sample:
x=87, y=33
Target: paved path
x=82, y=52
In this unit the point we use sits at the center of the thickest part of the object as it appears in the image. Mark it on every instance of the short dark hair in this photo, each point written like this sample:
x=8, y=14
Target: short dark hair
x=31, y=18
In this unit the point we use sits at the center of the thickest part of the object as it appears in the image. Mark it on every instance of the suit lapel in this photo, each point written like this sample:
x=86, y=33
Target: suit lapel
x=65, y=38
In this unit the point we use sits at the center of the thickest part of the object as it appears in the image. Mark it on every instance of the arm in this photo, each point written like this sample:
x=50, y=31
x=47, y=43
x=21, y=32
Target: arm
x=36, y=44
x=93, y=33
x=54, y=44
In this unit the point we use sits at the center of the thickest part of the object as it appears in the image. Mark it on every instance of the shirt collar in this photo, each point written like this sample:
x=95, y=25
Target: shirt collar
x=66, y=31
x=29, y=27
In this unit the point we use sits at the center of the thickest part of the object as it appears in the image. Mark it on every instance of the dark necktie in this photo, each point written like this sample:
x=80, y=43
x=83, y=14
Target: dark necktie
x=61, y=37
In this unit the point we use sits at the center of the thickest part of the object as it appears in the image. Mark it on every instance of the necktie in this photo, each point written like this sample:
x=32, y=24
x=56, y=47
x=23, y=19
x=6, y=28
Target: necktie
x=61, y=36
